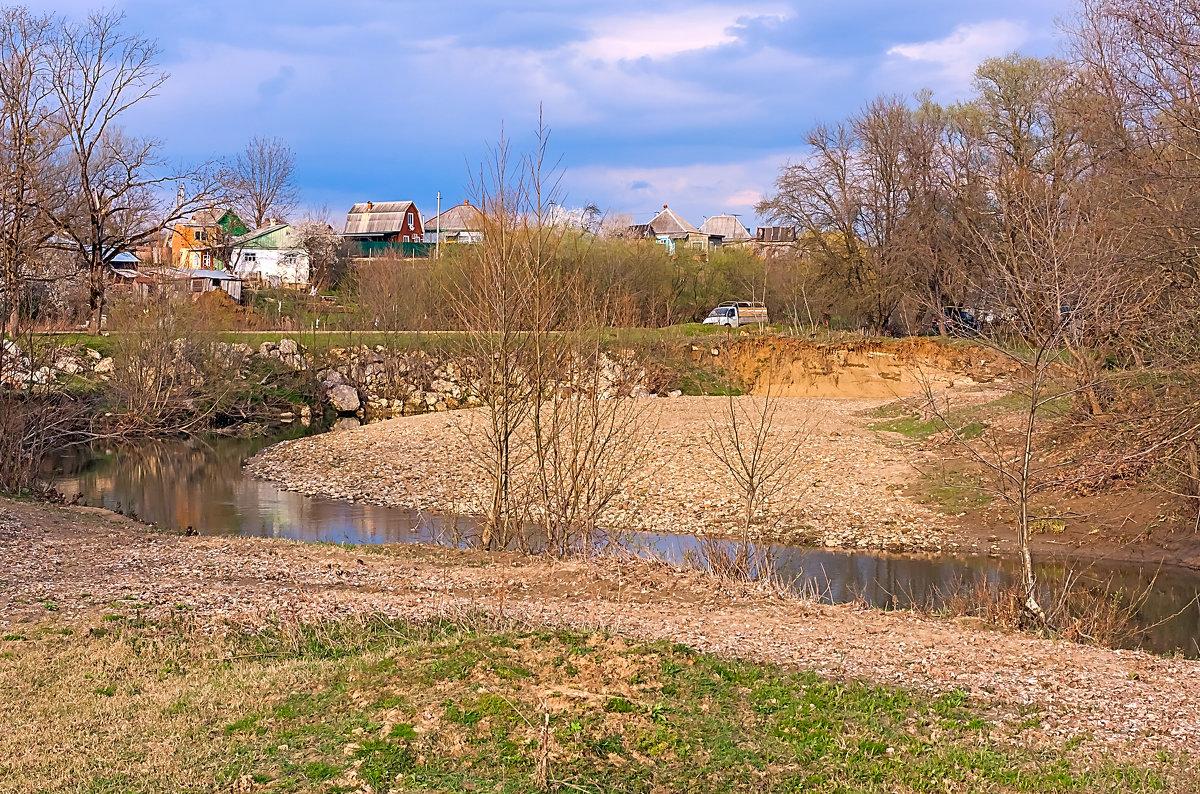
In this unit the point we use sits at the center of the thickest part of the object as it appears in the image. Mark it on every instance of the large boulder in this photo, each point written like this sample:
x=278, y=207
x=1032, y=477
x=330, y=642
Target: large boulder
x=344, y=399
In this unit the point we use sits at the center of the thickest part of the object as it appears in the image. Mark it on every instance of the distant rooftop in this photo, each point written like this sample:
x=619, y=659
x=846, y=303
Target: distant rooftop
x=728, y=227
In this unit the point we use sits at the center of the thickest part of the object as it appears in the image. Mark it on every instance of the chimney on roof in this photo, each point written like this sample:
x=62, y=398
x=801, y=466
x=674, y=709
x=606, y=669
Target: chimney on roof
x=369, y=205
x=466, y=201
x=664, y=206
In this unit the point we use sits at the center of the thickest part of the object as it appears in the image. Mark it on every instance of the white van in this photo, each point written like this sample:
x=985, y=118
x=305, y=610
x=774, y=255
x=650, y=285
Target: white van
x=738, y=313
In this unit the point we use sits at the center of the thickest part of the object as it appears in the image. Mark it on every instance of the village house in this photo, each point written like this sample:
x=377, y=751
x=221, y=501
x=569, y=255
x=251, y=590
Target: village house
x=195, y=242
x=673, y=232
x=728, y=228
x=126, y=277
x=272, y=255
x=194, y=282
x=384, y=221
x=462, y=223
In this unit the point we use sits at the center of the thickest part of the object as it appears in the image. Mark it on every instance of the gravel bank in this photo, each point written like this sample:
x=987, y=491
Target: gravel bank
x=847, y=493
x=88, y=563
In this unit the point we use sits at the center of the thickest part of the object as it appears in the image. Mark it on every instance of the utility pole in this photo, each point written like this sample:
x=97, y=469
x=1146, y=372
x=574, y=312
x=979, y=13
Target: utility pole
x=438, y=240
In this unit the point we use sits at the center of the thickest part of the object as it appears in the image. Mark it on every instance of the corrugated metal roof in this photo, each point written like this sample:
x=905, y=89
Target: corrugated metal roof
x=384, y=217
x=667, y=222
x=459, y=218
x=289, y=237
x=185, y=272
x=727, y=226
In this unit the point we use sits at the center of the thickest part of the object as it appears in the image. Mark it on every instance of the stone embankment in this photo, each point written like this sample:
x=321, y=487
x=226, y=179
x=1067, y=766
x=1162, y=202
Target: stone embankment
x=362, y=380
x=18, y=370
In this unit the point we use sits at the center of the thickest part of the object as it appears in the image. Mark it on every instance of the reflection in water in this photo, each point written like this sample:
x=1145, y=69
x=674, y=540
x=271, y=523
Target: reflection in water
x=199, y=483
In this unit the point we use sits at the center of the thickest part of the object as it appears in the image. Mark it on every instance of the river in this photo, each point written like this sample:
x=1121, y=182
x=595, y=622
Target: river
x=199, y=483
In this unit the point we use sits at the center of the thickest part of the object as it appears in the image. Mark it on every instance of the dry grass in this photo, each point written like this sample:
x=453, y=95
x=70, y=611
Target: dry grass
x=466, y=704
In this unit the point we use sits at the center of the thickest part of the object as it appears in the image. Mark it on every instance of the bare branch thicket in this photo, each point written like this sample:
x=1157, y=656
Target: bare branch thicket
x=262, y=178
x=849, y=199
x=117, y=190
x=168, y=368
x=759, y=461
x=1050, y=266
x=39, y=415
x=491, y=295
x=1143, y=56
x=556, y=434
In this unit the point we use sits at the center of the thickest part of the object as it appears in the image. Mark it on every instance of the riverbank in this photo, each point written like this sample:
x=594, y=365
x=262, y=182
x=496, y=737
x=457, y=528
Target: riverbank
x=75, y=569
x=846, y=493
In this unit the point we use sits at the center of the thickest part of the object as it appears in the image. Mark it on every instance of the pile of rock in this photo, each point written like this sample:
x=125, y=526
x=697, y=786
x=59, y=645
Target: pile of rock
x=20, y=371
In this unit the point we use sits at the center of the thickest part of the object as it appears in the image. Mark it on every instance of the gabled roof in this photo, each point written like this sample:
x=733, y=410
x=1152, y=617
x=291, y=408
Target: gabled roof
x=276, y=235
x=377, y=218
x=668, y=223
x=226, y=219
x=726, y=226
x=464, y=217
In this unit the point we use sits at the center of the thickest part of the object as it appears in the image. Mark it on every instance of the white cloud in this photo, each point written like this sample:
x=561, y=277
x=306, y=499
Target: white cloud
x=954, y=58
x=658, y=36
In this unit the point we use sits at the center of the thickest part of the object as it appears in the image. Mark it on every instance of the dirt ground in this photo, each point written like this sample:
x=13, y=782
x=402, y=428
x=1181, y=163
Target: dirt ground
x=80, y=564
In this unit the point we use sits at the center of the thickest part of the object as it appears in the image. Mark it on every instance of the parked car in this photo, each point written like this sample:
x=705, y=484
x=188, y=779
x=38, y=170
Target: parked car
x=958, y=321
x=735, y=314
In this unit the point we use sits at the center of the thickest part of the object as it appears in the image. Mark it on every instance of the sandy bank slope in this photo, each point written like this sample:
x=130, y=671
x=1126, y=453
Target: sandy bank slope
x=846, y=494
x=86, y=563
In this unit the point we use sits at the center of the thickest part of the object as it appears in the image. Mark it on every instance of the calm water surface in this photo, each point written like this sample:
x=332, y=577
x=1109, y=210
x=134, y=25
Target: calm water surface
x=199, y=483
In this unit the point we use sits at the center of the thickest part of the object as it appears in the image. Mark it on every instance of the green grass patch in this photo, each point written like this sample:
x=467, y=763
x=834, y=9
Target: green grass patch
x=385, y=705
x=951, y=491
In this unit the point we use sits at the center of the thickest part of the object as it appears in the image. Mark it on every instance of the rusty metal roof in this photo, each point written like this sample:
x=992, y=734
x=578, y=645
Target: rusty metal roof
x=776, y=234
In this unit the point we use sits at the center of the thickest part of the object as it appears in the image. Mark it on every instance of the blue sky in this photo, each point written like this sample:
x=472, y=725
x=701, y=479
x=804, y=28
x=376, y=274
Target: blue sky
x=692, y=104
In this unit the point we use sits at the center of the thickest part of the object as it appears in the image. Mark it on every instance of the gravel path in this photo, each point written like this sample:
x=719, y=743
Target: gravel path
x=845, y=493
x=88, y=562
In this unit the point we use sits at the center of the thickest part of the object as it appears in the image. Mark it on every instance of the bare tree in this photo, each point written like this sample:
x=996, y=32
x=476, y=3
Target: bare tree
x=491, y=296
x=263, y=179
x=758, y=461
x=114, y=183
x=1049, y=271
x=850, y=197
x=27, y=144
x=326, y=259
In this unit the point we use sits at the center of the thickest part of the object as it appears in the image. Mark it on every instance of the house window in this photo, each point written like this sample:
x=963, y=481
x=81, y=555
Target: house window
x=406, y=239
x=412, y=219
x=197, y=285
x=250, y=257
x=201, y=235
